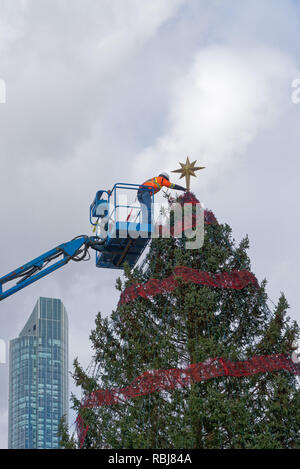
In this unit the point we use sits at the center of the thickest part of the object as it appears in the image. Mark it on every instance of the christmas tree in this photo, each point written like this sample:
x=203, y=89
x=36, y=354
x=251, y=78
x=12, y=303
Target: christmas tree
x=192, y=357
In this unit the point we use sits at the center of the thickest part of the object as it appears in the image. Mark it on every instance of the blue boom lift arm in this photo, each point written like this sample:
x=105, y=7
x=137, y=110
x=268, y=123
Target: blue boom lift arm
x=76, y=250
x=112, y=249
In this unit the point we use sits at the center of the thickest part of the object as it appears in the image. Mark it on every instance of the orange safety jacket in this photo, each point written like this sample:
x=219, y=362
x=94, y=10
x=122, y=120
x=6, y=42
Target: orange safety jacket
x=158, y=183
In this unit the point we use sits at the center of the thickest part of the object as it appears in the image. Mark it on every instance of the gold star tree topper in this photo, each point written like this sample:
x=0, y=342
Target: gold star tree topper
x=187, y=170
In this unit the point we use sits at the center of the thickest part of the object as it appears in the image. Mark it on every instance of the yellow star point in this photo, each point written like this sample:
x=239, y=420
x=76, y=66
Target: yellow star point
x=187, y=170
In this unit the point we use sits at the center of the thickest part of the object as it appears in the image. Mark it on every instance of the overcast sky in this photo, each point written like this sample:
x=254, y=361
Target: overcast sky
x=101, y=91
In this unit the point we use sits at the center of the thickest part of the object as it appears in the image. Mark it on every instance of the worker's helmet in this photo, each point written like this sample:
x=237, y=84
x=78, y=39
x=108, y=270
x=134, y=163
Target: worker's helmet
x=165, y=175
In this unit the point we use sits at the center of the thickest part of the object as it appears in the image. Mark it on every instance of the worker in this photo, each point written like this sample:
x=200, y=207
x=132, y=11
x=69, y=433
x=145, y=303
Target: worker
x=154, y=184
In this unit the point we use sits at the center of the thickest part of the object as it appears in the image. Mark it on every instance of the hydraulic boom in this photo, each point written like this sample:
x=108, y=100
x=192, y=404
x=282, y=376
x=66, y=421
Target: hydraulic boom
x=76, y=250
x=113, y=247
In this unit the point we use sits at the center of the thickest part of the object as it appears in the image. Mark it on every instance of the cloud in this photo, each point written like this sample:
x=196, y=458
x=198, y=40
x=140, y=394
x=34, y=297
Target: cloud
x=11, y=23
x=60, y=67
x=220, y=106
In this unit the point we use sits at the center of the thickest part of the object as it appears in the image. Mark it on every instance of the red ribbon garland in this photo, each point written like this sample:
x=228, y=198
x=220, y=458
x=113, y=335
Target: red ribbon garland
x=175, y=378
x=236, y=280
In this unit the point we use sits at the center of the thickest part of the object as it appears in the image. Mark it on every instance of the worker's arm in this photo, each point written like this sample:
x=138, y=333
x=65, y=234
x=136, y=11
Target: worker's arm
x=170, y=185
x=178, y=188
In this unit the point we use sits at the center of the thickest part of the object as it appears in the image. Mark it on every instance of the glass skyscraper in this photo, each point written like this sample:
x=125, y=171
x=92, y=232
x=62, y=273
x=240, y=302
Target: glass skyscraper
x=38, y=378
